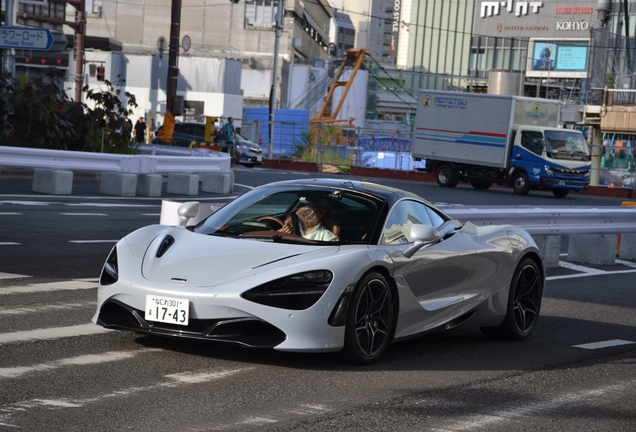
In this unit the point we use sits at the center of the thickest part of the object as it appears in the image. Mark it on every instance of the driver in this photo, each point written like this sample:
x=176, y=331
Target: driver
x=310, y=226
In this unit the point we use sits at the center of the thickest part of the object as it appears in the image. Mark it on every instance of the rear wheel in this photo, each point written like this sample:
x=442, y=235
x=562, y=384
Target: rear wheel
x=446, y=176
x=520, y=183
x=524, y=303
x=560, y=193
x=369, y=320
x=481, y=184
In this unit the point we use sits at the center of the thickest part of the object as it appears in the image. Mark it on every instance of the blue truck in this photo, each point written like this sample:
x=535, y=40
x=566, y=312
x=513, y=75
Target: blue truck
x=509, y=140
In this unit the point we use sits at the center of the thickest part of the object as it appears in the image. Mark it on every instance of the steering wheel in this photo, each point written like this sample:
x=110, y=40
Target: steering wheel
x=272, y=218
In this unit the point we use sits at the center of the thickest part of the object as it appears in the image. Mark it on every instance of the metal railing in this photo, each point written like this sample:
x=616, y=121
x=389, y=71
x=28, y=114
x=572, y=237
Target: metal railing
x=156, y=159
x=551, y=221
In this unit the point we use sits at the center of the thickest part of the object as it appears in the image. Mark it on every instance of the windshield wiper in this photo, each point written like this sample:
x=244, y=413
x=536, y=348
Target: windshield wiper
x=277, y=238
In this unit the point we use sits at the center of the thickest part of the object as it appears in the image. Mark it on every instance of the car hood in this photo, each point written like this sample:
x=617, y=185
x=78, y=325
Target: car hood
x=200, y=260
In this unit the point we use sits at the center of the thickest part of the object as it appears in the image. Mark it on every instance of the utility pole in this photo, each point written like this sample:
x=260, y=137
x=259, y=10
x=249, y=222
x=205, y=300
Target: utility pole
x=80, y=31
x=173, y=56
x=272, y=94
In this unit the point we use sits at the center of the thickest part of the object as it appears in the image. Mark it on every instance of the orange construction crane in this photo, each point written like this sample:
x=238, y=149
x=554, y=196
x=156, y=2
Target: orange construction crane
x=354, y=59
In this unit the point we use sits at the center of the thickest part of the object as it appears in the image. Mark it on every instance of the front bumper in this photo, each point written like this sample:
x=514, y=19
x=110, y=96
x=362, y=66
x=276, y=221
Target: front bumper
x=563, y=183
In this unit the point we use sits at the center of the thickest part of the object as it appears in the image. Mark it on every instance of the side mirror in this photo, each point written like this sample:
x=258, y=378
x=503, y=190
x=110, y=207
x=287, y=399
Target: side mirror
x=422, y=235
x=187, y=211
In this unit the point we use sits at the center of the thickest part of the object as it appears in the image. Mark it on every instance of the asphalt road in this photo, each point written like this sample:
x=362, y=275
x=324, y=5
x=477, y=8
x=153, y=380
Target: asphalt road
x=59, y=372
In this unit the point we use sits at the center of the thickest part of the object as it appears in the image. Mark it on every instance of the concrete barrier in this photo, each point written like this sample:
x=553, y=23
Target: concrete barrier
x=183, y=184
x=550, y=247
x=597, y=249
x=221, y=183
x=118, y=184
x=54, y=182
x=149, y=185
x=628, y=247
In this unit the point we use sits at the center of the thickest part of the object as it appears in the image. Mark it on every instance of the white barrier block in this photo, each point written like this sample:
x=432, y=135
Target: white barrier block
x=593, y=248
x=149, y=185
x=54, y=182
x=221, y=183
x=628, y=247
x=118, y=184
x=183, y=184
x=550, y=247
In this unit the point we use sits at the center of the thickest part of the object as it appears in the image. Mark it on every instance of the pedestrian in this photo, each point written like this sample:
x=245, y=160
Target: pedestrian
x=140, y=130
x=228, y=131
x=153, y=128
x=128, y=126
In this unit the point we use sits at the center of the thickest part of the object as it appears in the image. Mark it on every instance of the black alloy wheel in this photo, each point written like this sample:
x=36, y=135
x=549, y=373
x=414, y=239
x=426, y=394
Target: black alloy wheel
x=524, y=303
x=369, y=320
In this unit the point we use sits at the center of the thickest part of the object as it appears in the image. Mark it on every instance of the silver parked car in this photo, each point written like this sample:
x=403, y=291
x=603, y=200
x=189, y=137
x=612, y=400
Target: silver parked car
x=318, y=266
x=242, y=150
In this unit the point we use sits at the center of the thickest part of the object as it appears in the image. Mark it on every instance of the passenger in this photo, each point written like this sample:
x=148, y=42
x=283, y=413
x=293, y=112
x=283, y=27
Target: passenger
x=311, y=226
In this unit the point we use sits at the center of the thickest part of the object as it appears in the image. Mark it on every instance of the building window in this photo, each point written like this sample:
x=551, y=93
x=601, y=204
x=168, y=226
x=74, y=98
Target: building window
x=260, y=13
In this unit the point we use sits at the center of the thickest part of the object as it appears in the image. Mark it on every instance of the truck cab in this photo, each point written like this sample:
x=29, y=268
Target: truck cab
x=549, y=158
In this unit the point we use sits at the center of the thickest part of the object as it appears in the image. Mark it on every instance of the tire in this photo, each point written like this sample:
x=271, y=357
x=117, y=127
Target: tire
x=447, y=177
x=520, y=183
x=249, y=165
x=369, y=323
x=481, y=184
x=560, y=193
x=524, y=304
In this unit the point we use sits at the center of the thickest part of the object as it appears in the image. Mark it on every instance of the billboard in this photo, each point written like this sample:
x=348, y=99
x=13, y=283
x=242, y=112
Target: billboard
x=563, y=58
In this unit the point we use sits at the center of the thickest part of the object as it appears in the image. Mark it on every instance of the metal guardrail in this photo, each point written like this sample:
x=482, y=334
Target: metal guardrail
x=163, y=160
x=551, y=221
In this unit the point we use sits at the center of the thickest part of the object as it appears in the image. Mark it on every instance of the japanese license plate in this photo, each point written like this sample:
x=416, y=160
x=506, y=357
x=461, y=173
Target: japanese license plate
x=167, y=309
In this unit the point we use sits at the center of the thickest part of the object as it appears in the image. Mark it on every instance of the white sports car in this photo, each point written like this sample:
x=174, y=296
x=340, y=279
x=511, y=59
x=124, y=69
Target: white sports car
x=321, y=265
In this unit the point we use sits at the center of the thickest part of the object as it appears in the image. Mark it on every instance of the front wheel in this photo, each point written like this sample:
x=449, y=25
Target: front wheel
x=520, y=183
x=560, y=193
x=369, y=321
x=447, y=177
x=524, y=303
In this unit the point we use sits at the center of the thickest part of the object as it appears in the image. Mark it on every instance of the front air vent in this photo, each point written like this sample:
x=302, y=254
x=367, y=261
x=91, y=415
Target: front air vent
x=165, y=245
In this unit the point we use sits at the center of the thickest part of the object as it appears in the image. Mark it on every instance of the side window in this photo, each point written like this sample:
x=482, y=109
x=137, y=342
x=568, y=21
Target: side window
x=404, y=215
x=188, y=129
x=436, y=218
x=533, y=141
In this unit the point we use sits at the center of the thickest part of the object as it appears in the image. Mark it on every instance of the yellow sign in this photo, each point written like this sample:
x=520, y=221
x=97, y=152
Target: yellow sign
x=209, y=129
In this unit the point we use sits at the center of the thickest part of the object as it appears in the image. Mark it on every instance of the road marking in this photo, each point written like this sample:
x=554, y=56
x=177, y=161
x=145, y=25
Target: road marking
x=11, y=276
x=92, y=241
x=175, y=380
x=10, y=244
x=604, y=344
x=89, y=359
x=588, y=271
x=69, y=285
x=494, y=419
x=151, y=214
x=84, y=214
x=10, y=214
x=45, y=308
x=52, y=333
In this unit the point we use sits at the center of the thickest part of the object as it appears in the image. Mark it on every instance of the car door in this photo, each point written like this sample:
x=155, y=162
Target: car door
x=432, y=282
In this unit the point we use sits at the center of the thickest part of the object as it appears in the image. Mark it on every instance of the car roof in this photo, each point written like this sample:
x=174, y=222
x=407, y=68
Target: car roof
x=379, y=191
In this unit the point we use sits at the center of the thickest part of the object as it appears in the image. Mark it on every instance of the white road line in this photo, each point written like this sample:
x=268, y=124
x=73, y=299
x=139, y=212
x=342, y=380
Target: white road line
x=52, y=333
x=107, y=205
x=89, y=359
x=151, y=214
x=494, y=419
x=174, y=381
x=10, y=244
x=604, y=344
x=11, y=276
x=45, y=308
x=84, y=214
x=589, y=271
x=68, y=285
x=92, y=241
x=10, y=214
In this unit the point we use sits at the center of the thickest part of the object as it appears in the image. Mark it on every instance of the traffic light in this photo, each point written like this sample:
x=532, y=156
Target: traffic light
x=100, y=73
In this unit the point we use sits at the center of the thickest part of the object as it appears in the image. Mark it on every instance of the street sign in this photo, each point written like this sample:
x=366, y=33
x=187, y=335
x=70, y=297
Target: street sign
x=26, y=38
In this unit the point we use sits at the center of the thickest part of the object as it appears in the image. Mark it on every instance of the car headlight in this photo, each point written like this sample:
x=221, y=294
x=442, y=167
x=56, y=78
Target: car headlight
x=110, y=271
x=548, y=171
x=295, y=292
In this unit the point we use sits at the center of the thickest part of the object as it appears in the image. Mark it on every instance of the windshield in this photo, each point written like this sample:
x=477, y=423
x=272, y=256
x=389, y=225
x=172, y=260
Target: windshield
x=566, y=144
x=298, y=215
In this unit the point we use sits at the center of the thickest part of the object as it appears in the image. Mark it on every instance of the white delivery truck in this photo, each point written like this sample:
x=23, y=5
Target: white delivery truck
x=503, y=139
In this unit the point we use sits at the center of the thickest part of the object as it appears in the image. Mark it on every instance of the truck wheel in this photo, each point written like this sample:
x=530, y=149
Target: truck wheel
x=560, y=193
x=446, y=176
x=520, y=183
x=481, y=184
